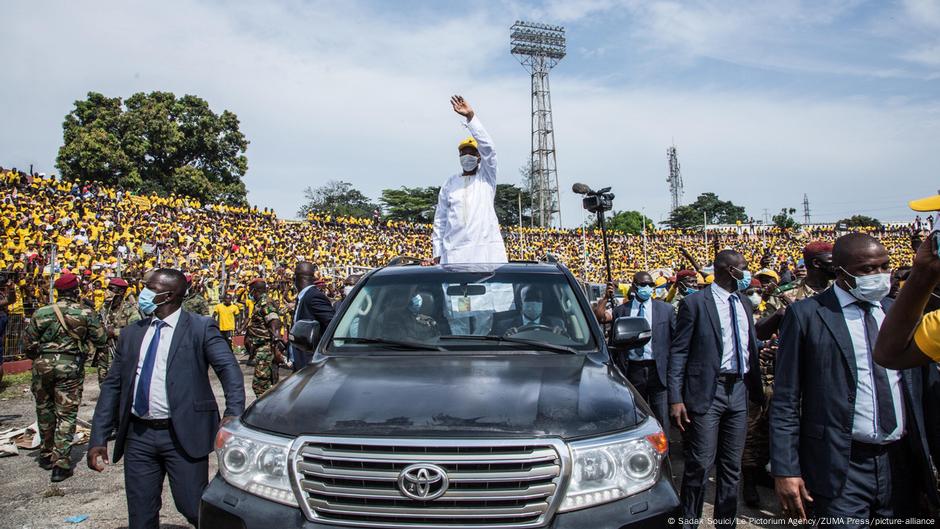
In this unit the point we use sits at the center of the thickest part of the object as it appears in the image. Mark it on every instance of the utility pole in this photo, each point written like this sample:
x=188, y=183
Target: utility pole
x=805, y=209
x=52, y=250
x=539, y=47
x=674, y=178
x=766, y=217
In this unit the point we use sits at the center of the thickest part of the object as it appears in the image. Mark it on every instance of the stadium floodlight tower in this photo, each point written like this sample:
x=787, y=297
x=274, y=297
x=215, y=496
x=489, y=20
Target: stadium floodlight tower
x=674, y=178
x=539, y=47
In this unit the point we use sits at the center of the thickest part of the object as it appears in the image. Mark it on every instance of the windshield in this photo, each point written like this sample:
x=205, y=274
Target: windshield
x=464, y=311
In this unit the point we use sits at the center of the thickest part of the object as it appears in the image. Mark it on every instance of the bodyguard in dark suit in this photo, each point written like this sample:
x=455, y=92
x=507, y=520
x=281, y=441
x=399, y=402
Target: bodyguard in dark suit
x=847, y=435
x=646, y=366
x=713, y=367
x=312, y=304
x=158, y=395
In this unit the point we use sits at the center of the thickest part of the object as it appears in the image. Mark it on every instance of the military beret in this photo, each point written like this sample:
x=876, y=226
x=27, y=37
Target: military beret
x=66, y=281
x=117, y=282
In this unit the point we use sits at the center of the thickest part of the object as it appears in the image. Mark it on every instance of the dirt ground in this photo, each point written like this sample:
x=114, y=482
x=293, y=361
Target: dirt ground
x=29, y=501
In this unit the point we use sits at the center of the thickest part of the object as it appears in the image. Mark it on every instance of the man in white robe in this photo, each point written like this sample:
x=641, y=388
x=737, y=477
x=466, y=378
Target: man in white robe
x=466, y=229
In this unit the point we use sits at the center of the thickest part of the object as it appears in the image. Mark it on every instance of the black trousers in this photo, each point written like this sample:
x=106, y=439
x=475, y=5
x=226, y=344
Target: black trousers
x=644, y=377
x=715, y=438
x=150, y=454
x=877, y=485
x=228, y=337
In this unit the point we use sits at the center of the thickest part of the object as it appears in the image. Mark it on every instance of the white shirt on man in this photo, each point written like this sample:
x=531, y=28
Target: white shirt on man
x=159, y=404
x=729, y=360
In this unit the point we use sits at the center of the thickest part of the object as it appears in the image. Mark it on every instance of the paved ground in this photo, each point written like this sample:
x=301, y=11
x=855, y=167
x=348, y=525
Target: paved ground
x=28, y=501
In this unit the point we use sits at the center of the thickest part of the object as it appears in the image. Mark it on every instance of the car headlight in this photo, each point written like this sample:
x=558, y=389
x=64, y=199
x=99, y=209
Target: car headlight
x=612, y=467
x=255, y=462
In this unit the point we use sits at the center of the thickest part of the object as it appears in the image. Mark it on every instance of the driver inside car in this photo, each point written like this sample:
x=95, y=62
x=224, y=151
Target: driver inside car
x=530, y=317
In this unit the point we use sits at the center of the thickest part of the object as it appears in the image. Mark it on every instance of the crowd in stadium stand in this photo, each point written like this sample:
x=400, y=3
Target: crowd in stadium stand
x=100, y=232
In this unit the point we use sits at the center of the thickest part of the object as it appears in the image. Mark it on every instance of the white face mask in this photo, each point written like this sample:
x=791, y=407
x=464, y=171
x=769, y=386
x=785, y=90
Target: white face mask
x=469, y=162
x=755, y=299
x=871, y=288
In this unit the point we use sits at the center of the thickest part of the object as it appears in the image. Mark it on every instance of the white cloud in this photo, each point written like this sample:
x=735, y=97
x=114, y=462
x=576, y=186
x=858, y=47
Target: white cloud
x=339, y=91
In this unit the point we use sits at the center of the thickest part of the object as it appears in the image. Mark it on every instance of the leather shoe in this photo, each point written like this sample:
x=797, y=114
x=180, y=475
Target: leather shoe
x=61, y=474
x=45, y=462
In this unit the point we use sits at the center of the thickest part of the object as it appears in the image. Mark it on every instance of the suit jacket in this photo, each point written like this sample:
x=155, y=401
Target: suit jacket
x=695, y=358
x=813, y=403
x=664, y=326
x=194, y=414
x=316, y=306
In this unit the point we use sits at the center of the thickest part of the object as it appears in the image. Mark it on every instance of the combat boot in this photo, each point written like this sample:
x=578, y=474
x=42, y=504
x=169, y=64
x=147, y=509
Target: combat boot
x=751, y=497
x=61, y=474
x=45, y=462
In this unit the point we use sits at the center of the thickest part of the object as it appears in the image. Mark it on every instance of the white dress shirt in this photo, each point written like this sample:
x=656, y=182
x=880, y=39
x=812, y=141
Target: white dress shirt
x=466, y=229
x=159, y=404
x=865, y=422
x=648, y=314
x=729, y=362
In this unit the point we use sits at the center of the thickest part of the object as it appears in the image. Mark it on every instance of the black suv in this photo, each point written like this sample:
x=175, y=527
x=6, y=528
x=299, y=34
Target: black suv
x=474, y=396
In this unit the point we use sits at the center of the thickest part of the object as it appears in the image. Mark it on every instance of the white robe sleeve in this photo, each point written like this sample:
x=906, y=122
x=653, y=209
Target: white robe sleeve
x=485, y=147
x=440, y=223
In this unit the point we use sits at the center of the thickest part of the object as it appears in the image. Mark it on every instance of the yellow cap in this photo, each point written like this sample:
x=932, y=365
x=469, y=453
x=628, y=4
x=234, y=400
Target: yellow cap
x=926, y=204
x=710, y=279
x=661, y=280
x=469, y=141
x=769, y=273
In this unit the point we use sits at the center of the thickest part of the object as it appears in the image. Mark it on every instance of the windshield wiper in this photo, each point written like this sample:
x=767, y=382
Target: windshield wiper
x=507, y=339
x=391, y=343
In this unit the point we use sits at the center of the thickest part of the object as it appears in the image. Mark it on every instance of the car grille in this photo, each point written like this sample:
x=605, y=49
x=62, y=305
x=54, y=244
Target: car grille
x=492, y=484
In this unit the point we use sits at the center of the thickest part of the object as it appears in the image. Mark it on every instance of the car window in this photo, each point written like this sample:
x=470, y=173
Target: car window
x=423, y=308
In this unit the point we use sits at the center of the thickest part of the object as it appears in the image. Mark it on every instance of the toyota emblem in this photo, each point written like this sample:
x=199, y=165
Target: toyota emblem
x=423, y=481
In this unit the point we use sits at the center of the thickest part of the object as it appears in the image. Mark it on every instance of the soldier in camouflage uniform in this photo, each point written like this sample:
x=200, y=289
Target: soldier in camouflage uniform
x=118, y=312
x=194, y=301
x=263, y=337
x=58, y=354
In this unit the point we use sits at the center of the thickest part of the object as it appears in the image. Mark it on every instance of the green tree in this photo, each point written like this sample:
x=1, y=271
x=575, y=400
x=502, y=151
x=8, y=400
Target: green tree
x=336, y=198
x=410, y=204
x=629, y=222
x=719, y=212
x=859, y=221
x=507, y=205
x=158, y=143
x=785, y=219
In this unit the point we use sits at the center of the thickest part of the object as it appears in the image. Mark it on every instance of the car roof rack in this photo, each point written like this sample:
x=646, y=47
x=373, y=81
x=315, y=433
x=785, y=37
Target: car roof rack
x=524, y=261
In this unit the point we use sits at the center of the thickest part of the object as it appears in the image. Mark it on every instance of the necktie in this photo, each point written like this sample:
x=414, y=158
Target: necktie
x=887, y=420
x=142, y=396
x=736, y=336
x=641, y=313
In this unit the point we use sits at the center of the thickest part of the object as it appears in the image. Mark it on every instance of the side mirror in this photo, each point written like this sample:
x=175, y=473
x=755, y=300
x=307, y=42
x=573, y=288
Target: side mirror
x=630, y=333
x=305, y=334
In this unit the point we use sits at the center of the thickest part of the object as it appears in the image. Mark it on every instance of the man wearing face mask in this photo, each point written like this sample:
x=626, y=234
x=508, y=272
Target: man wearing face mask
x=713, y=372
x=686, y=285
x=312, y=304
x=646, y=367
x=158, y=395
x=466, y=229
x=118, y=312
x=847, y=435
x=530, y=315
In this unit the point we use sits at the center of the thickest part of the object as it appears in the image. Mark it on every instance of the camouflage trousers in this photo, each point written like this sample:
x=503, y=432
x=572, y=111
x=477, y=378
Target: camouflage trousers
x=264, y=370
x=104, y=362
x=757, y=444
x=57, y=387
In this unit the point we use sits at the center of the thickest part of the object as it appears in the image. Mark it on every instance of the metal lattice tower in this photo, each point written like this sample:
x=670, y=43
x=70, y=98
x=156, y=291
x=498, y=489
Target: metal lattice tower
x=805, y=209
x=539, y=47
x=674, y=178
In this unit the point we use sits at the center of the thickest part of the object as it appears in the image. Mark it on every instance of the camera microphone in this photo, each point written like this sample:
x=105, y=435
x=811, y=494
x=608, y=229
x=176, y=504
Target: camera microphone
x=580, y=189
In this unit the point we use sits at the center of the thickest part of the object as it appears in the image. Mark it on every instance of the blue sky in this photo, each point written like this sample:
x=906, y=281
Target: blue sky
x=765, y=100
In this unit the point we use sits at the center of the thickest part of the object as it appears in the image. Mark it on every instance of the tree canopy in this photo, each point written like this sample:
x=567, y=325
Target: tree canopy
x=410, y=204
x=336, y=198
x=719, y=212
x=158, y=143
x=785, y=219
x=629, y=222
x=860, y=221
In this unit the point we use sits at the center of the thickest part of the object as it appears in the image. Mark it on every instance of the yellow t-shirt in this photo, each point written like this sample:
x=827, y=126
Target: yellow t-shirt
x=227, y=316
x=927, y=335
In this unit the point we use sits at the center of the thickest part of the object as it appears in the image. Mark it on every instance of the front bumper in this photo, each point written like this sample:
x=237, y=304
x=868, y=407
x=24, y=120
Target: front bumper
x=225, y=507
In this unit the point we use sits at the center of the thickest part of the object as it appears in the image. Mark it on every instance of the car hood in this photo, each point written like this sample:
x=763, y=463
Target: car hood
x=446, y=395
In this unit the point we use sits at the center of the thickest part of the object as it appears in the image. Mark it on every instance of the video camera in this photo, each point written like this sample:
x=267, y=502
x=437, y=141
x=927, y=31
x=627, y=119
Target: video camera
x=595, y=201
